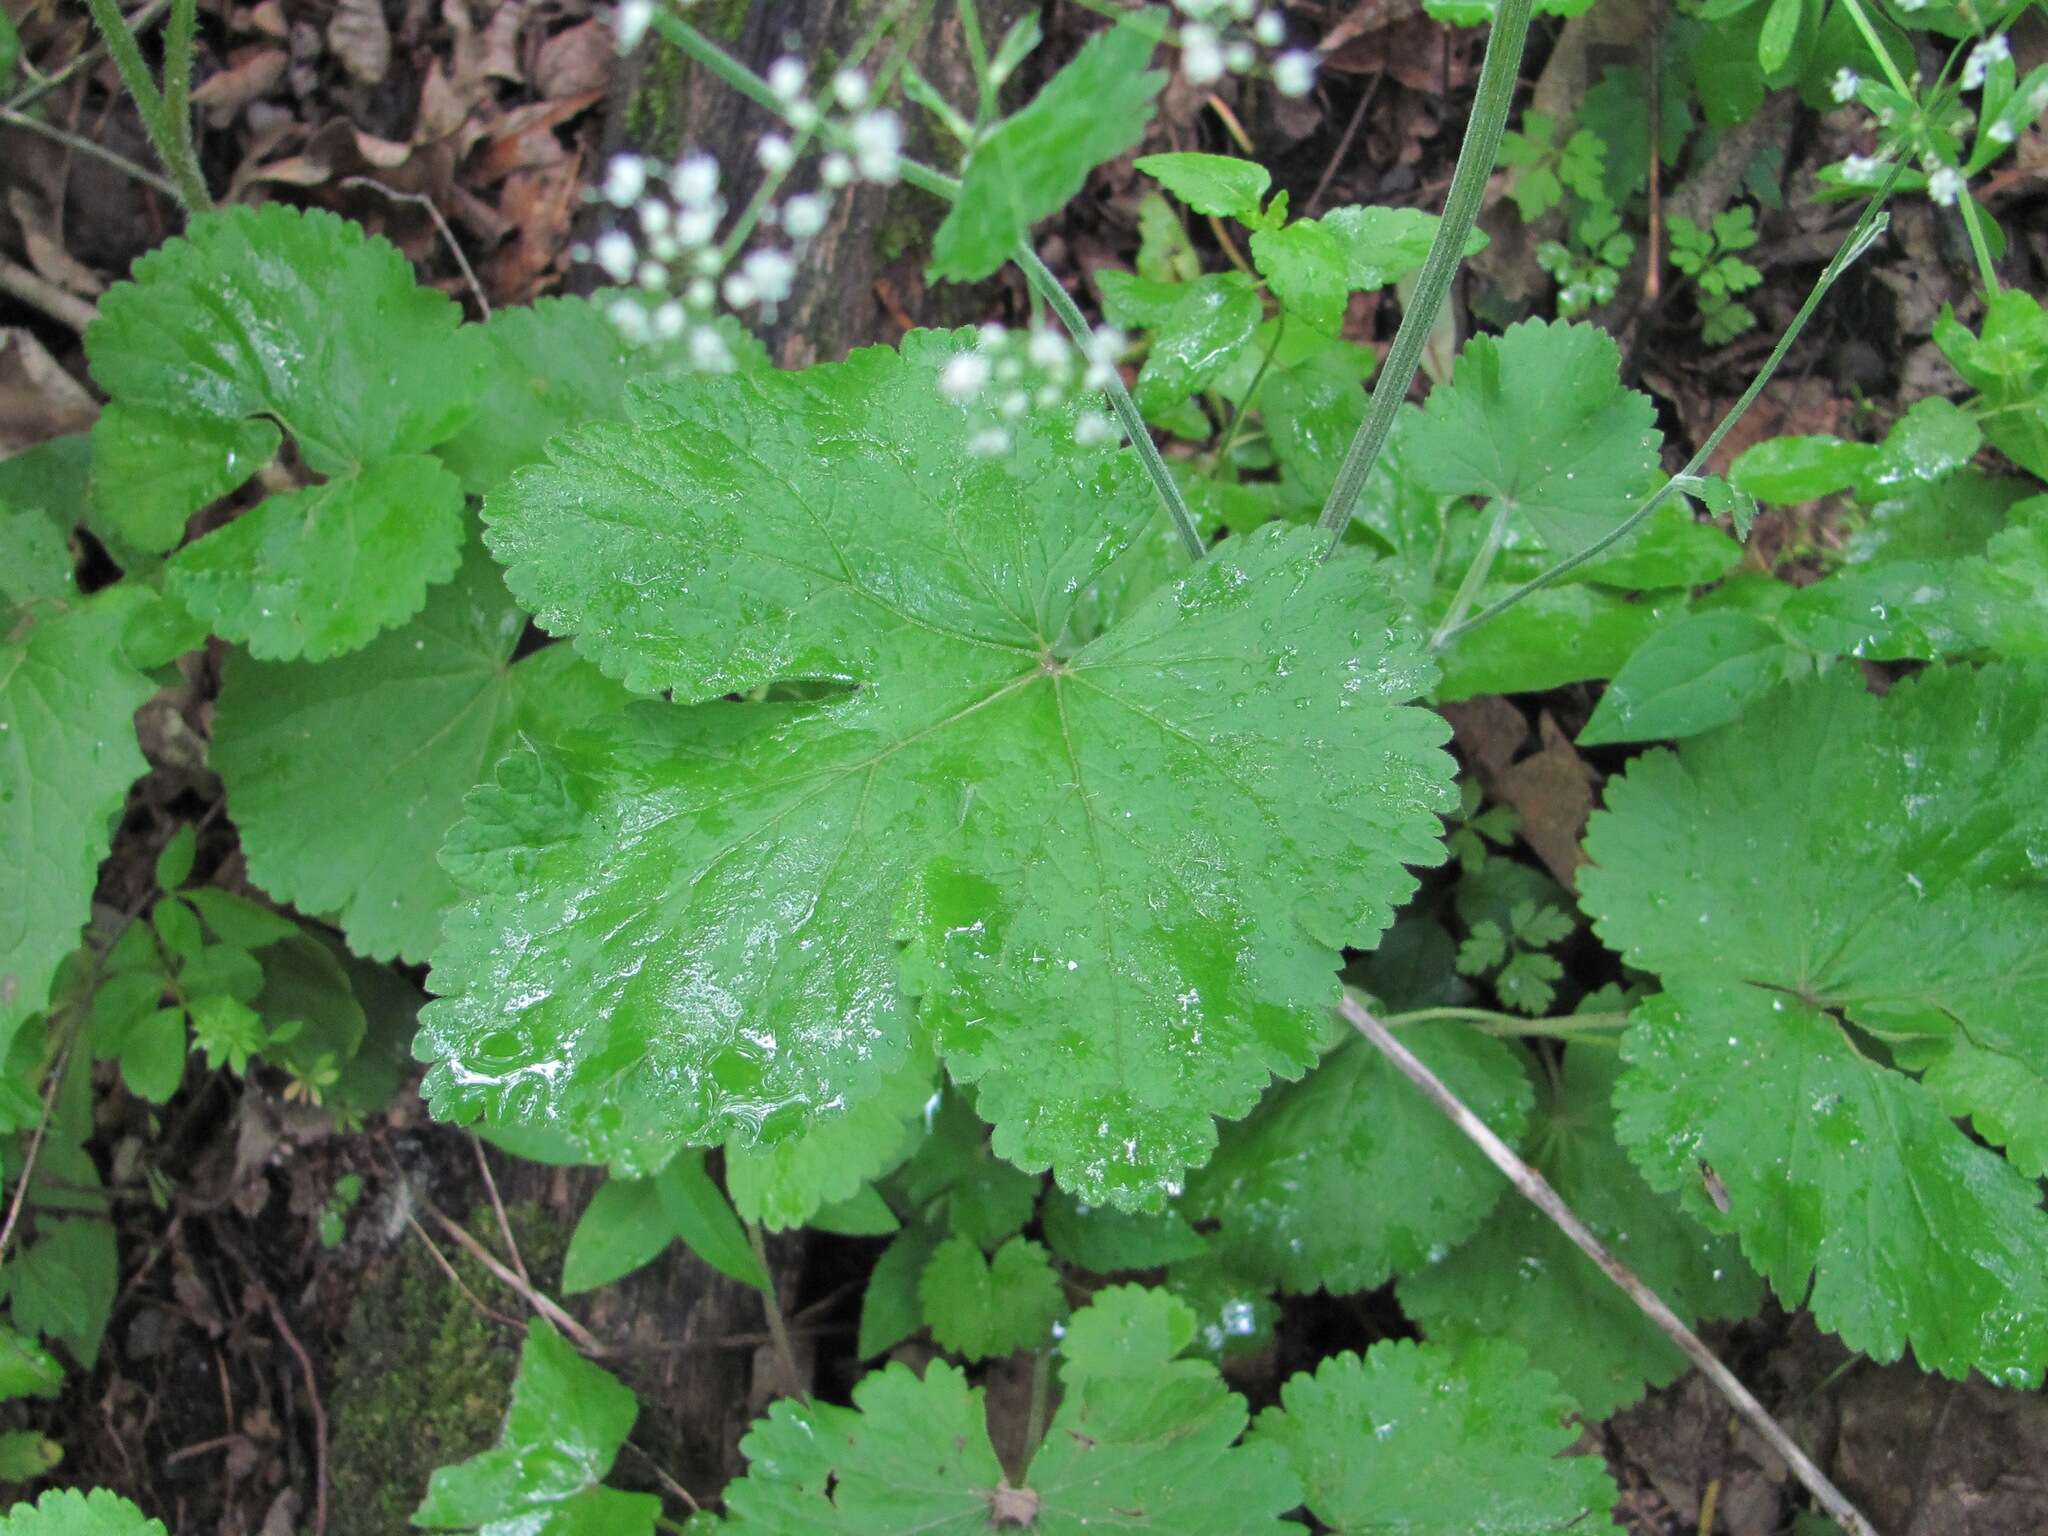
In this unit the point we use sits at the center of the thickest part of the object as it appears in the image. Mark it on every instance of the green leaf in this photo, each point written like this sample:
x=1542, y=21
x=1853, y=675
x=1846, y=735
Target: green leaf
x=35, y=559
x=890, y=1310
x=267, y=315
x=1559, y=634
x=26, y=1368
x=1383, y=245
x=1431, y=1441
x=1308, y=269
x=1217, y=185
x=1520, y=1279
x=235, y=919
x=1196, y=329
x=546, y=1475
x=786, y=1183
x=994, y=789
x=1538, y=418
x=1033, y=163
x=981, y=1307
x=174, y=861
x=1105, y=1240
x=153, y=1055
x=1672, y=549
x=62, y=1285
x=863, y=1214
x=67, y=756
x=318, y=572
x=553, y=365
x=26, y=1455
x=990, y=1200
x=1284, y=1187
x=1141, y=1442
x=1233, y=1315
x=1934, y=439
x=2007, y=363
x=344, y=778
x=68, y=1512
x=703, y=1218
x=1699, y=673
x=624, y=1228
x=1887, y=892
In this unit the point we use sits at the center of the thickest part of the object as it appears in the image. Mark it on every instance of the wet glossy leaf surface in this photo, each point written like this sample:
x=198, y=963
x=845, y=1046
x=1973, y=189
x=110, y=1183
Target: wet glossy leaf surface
x=1433, y=1441
x=701, y=923
x=1832, y=890
x=424, y=711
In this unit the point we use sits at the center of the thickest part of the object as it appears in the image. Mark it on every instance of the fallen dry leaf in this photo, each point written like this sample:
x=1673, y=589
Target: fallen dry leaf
x=575, y=62
x=45, y=246
x=38, y=399
x=250, y=75
x=1551, y=793
x=359, y=37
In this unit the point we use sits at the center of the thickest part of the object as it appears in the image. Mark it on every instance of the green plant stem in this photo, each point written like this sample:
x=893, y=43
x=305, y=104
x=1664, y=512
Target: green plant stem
x=79, y=144
x=42, y=87
x=754, y=88
x=1868, y=227
x=1568, y=1026
x=172, y=141
x=1242, y=408
x=1497, y=77
x=1882, y=54
x=1476, y=573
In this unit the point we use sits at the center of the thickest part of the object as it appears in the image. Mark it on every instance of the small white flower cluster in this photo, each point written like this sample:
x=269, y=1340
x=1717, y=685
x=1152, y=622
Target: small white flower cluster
x=1009, y=374
x=1220, y=37
x=1993, y=50
x=1944, y=185
x=1846, y=84
x=677, y=259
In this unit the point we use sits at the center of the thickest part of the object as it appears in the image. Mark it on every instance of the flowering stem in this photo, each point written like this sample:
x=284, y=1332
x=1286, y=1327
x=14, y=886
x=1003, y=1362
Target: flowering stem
x=1860, y=239
x=1476, y=155
x=1251, y=393
x=171, y=140
x=923, y=177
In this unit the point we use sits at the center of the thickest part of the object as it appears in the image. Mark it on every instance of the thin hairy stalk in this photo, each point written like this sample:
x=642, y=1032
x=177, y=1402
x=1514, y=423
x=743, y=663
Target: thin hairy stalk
x=1860, y=239
x=1567, y=1026
x=754, y=88
x=173, y=145
x=180, y=34
x=1497, y=76
x=48, y=83
x=1534, y=1188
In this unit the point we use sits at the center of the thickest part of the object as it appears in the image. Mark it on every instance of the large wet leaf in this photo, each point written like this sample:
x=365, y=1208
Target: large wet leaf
x=1106, y=866
x=1839, y=891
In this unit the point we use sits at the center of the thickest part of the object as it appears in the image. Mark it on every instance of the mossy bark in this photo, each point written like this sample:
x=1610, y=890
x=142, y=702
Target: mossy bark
x=867, y=267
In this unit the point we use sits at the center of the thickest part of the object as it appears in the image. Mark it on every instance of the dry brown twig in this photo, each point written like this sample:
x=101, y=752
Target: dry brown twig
x=1534, y=1188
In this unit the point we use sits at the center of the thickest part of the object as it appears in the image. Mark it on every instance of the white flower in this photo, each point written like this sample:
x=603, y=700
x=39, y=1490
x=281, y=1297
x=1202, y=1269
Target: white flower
x=835, y=170
x=668, y=321
x=1846, y=82
x=2001, y=132
x=1294, y=72
x=989, y=443
x=708, y=351
x=632, y=22
x=1015, y=404
x=964, y=376
x=1993, y=50
x=696, y=226
x=1048, y=350
x=1239, y=57
x=654, y=216
x=786, y=78
x=628, y=318
x=616, y=254
x=1201, y=57
x=771, y=272
x=624, y=180
x=2037, y=99
x=1862, y=169
x=1945, y=185
x=652, y=274
x=878, y=145
x=700, y=293
x=1270, y=29
x=775, y=153
x=739, y=292
x=1093, y=428
x=663, y=247
x=992, y=336
x=1103, y=349
x=694, y=180
x=1912, y=5
x=804, y=215
x=850, y=89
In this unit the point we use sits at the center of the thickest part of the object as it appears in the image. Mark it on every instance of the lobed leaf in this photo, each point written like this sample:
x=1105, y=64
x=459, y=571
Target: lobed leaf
x=73, y=1512
x=710, y=918
x=1820, y=933
x=344, y=778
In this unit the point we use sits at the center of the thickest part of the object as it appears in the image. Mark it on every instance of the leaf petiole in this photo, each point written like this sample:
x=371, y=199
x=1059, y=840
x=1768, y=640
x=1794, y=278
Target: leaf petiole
x=1567, y=1026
